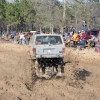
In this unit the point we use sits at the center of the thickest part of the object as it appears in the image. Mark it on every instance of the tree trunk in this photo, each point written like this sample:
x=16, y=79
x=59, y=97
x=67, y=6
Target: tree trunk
x=40, y=28
x=64, y=11
x=52, y=29
x=76, y=20
x=7, y=28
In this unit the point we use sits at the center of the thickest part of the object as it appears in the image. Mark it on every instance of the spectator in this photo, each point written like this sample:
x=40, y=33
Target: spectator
x=43, y=32
x=12, y=37
x=65, y=32
x=71, y=30
x=16, y=38
x=82, y=39
x=75, y=39
x=21, y=38
x=84, y=25
x=27, y=39
x=99, y=36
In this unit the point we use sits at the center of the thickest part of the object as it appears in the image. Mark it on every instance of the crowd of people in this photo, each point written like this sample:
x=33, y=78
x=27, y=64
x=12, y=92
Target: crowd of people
x=79, y=37
x=20, y=38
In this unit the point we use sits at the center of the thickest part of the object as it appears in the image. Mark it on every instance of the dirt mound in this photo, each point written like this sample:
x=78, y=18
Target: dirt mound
x=80, y=80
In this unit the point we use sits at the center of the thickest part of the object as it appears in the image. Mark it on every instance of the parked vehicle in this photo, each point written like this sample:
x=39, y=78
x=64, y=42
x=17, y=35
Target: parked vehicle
x=97, y=47
x=91, y=35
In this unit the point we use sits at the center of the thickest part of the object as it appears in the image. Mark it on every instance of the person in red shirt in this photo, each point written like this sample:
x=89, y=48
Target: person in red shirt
x=82, y=39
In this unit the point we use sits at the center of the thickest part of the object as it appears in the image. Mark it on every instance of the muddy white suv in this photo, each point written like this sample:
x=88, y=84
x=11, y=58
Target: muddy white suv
x=48, y=46
x=48, y=50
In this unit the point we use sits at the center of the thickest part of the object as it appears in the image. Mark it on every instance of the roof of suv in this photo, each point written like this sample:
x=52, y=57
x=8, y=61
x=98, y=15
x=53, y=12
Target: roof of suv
x=48, y=35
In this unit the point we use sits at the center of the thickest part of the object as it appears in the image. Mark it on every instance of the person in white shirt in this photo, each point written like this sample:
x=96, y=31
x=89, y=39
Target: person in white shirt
x=21, y=38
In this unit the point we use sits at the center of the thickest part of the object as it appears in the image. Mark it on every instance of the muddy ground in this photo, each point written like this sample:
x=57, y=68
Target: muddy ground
x=81, y=80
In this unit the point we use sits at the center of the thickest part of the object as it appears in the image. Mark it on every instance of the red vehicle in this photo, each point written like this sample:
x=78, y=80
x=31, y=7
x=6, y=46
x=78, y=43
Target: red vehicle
x=90, y=33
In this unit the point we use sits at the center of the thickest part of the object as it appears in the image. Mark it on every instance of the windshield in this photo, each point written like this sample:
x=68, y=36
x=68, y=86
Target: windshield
x=48, y=40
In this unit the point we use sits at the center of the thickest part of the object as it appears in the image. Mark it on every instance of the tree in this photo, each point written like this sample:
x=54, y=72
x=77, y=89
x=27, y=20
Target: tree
x=2, y=14
x=19, y=13
x=93, y=0
x=2, y=9
x=48, y=14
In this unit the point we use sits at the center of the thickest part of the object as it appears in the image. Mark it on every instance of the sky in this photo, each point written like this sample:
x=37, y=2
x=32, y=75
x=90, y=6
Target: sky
x=60, y=0
x=12, y=0
x=9, y=0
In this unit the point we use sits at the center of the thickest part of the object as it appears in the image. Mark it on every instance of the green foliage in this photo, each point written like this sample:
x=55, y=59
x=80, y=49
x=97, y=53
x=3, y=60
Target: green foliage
x=2, y=9
x=19, y=12
x=46, y=13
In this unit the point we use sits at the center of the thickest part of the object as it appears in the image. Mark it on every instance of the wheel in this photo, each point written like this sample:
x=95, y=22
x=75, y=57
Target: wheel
x=37, y=70
x=60, y=68
x=92, y=44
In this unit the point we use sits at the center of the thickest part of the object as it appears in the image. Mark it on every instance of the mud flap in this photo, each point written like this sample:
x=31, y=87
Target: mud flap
x=59, y=73
x=37, y=69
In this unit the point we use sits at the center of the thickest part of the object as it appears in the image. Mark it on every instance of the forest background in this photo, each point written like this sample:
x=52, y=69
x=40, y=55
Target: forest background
x=49, y=15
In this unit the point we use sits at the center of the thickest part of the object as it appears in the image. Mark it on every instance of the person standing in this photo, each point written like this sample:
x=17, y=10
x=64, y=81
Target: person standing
x=21, y=38
x=27, y=38
x=71, y=30
x=12, y=37
x=82, y=39
x=84, y=25
x=65, y=32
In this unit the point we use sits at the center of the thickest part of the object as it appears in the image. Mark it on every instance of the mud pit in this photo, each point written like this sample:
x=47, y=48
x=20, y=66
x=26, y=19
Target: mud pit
x=81, y=80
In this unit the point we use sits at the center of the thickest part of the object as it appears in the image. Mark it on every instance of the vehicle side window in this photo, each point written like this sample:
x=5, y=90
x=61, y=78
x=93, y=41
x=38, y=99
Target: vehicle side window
x=88, y=33
x=94, y=32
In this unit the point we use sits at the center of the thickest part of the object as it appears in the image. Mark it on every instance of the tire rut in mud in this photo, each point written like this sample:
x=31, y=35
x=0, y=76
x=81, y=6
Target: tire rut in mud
x=29, y=77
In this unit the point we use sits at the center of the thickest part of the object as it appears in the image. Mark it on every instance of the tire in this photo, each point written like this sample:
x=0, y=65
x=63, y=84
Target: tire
x=92, y=44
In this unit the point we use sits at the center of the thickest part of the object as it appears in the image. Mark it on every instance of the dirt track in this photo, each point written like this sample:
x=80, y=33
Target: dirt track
x=81, y=79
